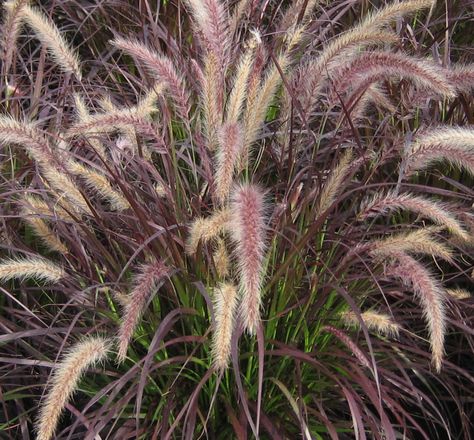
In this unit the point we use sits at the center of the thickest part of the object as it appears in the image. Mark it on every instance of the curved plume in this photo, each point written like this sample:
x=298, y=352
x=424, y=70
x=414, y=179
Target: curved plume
x=452, y=144
x=430, y=294
x=52, y=39
x=367, y=32
x=371, y=67
x=145, y=284
x=162, y=68
x=383, y=204
x=65, y=381
x=247, y=227
x=11, y=28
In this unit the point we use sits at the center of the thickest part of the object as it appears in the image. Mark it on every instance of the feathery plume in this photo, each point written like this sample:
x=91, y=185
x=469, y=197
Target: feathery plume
x=247, y=227
x=367, y=32
x=38, y=206
x=52, y=168
x=333, y=185
x=11, y=29
x=430, y=294
x=49, y=35
x=65, y=381
x=162, y=68
x=383, y=204
x=210, y=101
x=206, y=229
x=239, y=89
x=419, y=241
x=121, y=120
x=36, y=267
x=43, y=231
x=221, y=258
x=370, y=67
x=212, y=27
x=257, y=107
x=461, y=77
x=99, y=183
x=313, y=74
x=459, y=293
x=237, y=14
x=379, y=322
x=230, y=144
x=225, y=306
x=147, y=105
x=62, y=184
x=349, y=343
x=453, y=144
x=27, y=135
x=293, y=13
x=145, y=284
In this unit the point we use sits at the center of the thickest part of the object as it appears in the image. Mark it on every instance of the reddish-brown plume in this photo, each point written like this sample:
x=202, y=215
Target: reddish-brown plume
x=145, y=284
x=248, y=231
x=371, y=67
x=230, y=145
x=430, y=294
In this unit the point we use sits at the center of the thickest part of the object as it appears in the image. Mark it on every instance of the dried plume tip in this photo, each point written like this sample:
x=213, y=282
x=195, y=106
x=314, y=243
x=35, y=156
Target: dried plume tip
x=65, y=381
x=452, y=144
x=378, y=322
x=52, y=39
x=430, y=294
x=144, y=287
x=225, y=306
x=247, y=227
x=383, y=204
x=36, y=267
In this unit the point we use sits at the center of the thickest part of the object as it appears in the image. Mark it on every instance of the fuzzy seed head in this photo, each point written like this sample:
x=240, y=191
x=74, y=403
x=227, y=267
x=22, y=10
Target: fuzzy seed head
x=25, y=268
x=247, y=227
x=225, y=306
x=144, y=287
x=65, y=380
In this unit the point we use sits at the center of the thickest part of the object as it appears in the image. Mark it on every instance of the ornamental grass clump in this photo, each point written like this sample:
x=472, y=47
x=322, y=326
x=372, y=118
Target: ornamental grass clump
x=263, y=208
